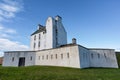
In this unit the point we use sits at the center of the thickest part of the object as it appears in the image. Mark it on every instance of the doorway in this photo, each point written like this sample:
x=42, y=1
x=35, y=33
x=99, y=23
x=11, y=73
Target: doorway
x=21, y=61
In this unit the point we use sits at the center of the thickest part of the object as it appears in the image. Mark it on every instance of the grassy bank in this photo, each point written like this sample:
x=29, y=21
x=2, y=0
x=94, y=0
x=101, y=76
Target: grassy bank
x=57, y=73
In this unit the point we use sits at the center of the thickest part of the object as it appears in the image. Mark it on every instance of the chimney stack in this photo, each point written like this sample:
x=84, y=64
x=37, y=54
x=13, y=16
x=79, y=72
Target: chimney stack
x=73, y=41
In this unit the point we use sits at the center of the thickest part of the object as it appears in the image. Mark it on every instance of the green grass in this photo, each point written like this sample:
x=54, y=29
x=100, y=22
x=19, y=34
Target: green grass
x=57, y=73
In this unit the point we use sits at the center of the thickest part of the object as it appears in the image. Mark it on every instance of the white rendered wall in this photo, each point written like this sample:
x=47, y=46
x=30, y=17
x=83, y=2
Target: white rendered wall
x=42, y=41
x=72, y=61
x=50, y=28
x=84, y=57
x=54, y=36
x=103, y=58
x=16, y=55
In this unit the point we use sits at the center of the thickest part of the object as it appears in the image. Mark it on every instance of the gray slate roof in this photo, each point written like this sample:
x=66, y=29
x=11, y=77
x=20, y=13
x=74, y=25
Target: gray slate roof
x=41, y=29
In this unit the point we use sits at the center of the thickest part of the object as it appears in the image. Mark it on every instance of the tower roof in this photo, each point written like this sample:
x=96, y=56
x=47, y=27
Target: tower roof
x=41, y=29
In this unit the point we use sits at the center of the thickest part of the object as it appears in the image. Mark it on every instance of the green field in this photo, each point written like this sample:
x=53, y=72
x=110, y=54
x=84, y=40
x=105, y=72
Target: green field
x=57, y=73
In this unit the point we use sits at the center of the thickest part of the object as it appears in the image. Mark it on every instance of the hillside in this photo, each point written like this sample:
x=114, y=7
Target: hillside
x=57, y=73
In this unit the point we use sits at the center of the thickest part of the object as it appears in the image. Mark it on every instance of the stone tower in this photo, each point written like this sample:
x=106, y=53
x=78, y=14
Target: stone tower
x=52, y=35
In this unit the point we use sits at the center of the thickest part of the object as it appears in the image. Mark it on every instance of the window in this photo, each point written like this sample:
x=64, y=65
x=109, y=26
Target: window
x=39, y=57
x=61, y=56
x=56, y=32
x=39, y=36
x=56, y=56
x=92, y=55
x=47, y=57
x=42, y=57
x=105, y=55
x=51, y=56
x=34, y=45
x=35, y=37
x=31, y=58
x=68, y=55
x=98, y=55
x=39, y=44
x=43, y=32
x=12, y=59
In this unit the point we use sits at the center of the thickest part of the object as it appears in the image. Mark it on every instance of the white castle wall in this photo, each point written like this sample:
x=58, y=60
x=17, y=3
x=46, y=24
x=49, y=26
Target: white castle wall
x=103, y=58
x=9, y=61
x=64, y=56
x=84, y=57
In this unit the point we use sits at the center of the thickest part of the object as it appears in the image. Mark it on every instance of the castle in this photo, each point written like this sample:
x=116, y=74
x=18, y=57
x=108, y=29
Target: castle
x=49, y=48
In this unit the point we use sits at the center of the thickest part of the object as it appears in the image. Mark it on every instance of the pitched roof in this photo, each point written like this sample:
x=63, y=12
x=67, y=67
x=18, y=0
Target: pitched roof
x=41, y=29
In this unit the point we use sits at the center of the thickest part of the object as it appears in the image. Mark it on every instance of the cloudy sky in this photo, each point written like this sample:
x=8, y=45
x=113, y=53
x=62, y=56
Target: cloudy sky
x=94, y=23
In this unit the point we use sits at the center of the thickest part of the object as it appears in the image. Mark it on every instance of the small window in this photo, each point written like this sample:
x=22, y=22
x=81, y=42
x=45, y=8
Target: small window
x=35, y=37
x=61, y=56
x=39, y=57
x=34, y=45
x=98, y=55
x=39, y=36
x=31, y=58
x=47, y=57
x=105, y=55
x=56, y=31
x=68, y=55
x=51, y=56
x=42, y=57
x=39, y=44
x=92, y=55
x=56, y=56
x=12, y=59
x=43, y=32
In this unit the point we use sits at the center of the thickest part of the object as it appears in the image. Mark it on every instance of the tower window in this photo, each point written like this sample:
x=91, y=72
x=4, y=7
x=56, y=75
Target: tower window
x=35, y=37
x=39, y=36
x=34, y=45
x=39, y=44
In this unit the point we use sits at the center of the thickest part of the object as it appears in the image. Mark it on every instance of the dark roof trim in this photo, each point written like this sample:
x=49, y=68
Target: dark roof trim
x=41, y=29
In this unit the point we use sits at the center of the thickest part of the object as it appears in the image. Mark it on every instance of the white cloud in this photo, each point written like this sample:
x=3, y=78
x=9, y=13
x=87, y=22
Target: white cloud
x=9, y=8
x=6, y=30
x=6, y=44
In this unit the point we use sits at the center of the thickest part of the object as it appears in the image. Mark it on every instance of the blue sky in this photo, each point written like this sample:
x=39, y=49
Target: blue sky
x=94, y=23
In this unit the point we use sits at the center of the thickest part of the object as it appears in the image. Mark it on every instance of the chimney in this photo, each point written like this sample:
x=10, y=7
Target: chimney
x=58, y=18
x=73, y=41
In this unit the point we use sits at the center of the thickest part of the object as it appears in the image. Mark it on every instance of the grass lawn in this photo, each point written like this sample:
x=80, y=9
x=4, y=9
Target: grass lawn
x=57, y=73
